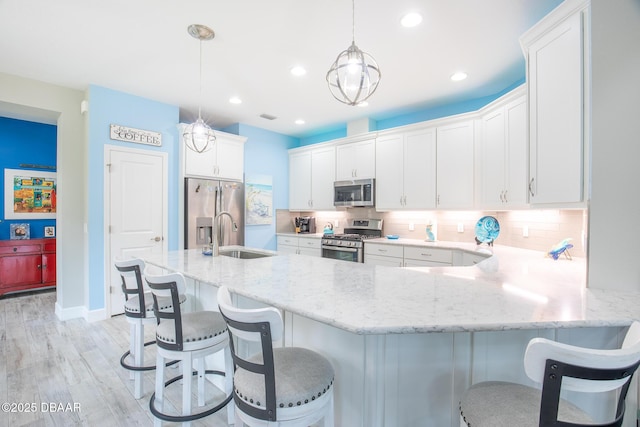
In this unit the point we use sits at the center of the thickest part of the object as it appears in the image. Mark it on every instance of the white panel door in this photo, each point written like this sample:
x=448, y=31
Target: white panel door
x=137, y=209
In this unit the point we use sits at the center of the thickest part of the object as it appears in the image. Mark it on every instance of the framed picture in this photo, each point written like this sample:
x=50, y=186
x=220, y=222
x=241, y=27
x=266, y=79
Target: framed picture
x=50, y=231
x=19, y=231
x=29, y=194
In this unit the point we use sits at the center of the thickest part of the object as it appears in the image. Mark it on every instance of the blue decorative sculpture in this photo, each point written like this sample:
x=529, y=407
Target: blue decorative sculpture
x=561, y=248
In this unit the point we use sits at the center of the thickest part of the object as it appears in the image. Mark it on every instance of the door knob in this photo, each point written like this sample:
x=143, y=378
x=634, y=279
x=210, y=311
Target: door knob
x=157, y=239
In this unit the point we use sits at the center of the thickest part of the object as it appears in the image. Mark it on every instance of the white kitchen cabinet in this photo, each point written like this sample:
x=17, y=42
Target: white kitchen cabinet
x=311, y=177
x=504, y=154
x=224, y=161
x=299, y=245
x=406, y=170
x=381, y=254
x=455, y=165
x=557, y=56
x=356, y=160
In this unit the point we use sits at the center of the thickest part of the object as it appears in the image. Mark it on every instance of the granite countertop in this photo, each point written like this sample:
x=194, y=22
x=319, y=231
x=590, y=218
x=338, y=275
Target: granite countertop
x=513, y=289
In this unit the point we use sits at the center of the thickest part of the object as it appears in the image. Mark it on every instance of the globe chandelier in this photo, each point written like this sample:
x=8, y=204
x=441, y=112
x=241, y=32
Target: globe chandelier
x=198, y=136
x=355, y=75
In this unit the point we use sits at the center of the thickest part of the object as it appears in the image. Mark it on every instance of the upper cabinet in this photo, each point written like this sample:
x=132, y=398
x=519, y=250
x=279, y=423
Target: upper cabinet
x=557, y=59
x=311, y=176
x=503, y=154
x=224, y=161
x=455, y=165
x=406, y=170
x=356, y=160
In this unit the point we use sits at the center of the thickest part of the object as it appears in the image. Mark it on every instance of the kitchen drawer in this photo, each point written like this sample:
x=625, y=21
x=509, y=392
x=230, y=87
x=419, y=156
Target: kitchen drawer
x=19, y=249
x=49, y=247
x=309, y=242
x=287, y=241
x=386, y=250
x=428, y=254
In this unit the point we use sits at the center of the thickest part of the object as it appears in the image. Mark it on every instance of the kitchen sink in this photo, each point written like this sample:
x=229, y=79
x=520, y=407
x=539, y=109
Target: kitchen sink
x=244, y=254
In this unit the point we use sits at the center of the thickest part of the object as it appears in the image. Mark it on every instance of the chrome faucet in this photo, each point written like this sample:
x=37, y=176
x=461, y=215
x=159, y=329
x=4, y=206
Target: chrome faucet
x=217, y=232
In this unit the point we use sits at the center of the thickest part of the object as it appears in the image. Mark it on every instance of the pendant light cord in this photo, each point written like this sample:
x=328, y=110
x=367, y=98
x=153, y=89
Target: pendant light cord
x=200, y=78
x=353, y=21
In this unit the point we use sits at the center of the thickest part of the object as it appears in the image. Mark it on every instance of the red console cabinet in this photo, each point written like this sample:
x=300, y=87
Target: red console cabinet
x=27, y=264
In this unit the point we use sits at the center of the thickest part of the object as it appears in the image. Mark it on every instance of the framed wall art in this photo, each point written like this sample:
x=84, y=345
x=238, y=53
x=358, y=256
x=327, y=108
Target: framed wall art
x=19, y=231
x=50, y=231
x=29, y=194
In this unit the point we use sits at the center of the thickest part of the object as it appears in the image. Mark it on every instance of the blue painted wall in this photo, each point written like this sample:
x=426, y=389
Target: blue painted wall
x=108, y=107
x=265, y=154
x=394, y=119
x=23, y=142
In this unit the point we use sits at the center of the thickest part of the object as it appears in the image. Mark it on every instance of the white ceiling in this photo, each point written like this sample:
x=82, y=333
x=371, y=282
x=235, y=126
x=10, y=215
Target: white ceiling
x=142, y=47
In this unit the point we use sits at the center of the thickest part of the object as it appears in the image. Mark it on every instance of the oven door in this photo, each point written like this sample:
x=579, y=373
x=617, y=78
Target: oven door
x=343, y=254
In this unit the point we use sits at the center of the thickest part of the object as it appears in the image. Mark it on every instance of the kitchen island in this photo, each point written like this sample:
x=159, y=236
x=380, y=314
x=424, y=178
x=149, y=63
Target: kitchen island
x=406, y=343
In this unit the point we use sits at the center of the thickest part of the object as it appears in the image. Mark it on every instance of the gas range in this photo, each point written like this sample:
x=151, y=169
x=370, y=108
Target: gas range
x=349, y=246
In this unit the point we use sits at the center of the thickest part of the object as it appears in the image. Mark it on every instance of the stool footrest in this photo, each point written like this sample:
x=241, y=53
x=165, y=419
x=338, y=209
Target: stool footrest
x=126, y=366
x=192, y=417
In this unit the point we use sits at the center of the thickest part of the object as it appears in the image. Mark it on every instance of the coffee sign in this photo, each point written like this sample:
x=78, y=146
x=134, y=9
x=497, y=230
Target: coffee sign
x=137, y=136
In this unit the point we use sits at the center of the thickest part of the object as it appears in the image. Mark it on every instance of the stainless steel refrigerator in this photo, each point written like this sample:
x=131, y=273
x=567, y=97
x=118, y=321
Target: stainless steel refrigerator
x=203, y=200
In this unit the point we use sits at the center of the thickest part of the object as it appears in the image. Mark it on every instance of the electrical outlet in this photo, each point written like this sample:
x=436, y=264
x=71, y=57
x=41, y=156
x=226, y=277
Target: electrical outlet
x=412, y=226
x=460, y=227
x=525, y=231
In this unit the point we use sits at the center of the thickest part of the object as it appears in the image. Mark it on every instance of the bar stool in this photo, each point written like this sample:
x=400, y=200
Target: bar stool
x=138, y=309
x=187, y=337
x=276, y=387
x=558, y=367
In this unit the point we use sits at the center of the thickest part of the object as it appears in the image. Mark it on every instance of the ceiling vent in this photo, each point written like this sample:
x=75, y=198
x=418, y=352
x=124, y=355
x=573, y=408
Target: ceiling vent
x=268, y=116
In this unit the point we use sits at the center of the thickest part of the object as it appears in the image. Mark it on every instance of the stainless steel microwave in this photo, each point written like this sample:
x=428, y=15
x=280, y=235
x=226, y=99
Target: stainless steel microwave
x=356, y=193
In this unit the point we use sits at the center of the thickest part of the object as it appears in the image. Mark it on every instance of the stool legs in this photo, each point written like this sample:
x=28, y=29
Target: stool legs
x=187, y=372
x=228, y=385
x=159, y=398
x=138, y=359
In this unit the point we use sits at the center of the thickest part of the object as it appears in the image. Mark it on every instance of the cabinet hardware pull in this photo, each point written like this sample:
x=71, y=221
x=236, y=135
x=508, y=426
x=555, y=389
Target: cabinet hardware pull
x=382, y=250
x=531, y=187
x=425, y=254
x=505, y=196
x=39, y=267
x=15, y=249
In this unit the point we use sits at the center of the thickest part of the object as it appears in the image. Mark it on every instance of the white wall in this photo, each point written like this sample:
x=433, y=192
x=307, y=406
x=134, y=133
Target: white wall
x=614, y=233
x=41, y=102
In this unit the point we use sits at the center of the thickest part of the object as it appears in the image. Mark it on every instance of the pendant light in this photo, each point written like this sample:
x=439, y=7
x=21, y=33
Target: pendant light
x=355, y=75
x=198, y=136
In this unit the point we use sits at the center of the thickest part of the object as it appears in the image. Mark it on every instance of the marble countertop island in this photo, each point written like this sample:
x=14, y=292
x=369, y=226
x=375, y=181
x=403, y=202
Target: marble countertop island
x=512, y=289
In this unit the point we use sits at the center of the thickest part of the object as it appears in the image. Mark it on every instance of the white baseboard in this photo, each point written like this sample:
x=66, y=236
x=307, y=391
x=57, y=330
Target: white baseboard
x=95, y=315
x=69, y=313
x=80, y=312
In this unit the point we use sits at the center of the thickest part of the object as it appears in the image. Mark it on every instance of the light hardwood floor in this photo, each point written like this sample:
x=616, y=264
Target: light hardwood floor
x=74, y=363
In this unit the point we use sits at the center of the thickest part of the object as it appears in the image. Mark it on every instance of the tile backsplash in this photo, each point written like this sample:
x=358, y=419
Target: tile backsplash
x=543, y=228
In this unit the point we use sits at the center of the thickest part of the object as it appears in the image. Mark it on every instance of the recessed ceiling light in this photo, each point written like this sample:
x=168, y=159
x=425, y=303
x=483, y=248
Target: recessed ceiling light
x=460, y=75
x=298, y=71
x=235, y=100
x=411, y=19
x=299, y=122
